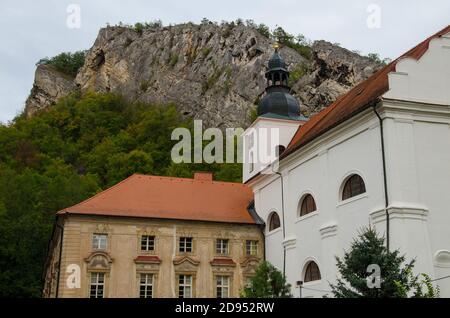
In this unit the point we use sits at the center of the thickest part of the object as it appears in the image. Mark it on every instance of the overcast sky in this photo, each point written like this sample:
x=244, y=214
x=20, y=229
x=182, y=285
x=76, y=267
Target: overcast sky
x=30, y=30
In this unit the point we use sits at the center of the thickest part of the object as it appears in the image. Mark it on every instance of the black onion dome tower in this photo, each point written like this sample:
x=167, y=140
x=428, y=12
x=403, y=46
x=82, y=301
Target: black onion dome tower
x=278, y=101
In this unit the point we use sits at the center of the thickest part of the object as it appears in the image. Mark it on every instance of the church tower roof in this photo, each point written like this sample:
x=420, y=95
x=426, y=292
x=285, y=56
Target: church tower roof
x=278, y=101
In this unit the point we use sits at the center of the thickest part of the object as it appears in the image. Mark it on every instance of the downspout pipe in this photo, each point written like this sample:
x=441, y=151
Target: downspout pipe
x=283, y=223
x=386, y=197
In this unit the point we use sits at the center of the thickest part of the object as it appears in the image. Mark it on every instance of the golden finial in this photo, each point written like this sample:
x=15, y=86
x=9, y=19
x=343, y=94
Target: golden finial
x=276, y=46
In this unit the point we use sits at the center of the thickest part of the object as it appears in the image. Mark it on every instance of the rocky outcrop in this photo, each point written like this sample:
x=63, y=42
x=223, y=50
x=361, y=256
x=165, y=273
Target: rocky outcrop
x=49, y=85
x=211, y=72
x=333, y=71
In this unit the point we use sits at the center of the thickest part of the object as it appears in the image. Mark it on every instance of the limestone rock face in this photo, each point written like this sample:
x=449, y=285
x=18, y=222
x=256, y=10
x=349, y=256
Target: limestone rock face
x=332, y=72
x=49, y=85
x=214, y=73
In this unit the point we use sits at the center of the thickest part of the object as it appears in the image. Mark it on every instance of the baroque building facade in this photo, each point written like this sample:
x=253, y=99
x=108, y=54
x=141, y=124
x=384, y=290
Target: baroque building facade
x=378, y=156
x=156, y=237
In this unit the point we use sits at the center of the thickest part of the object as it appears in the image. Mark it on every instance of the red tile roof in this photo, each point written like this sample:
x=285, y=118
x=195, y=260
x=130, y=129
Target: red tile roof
x=199, y=199
x=147, y=259
x=354, y=101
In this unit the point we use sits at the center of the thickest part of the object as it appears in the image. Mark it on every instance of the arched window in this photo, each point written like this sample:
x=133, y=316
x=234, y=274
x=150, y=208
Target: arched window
x=312, y=272
x=353, y=186
x=274, y=221
x=308, y=205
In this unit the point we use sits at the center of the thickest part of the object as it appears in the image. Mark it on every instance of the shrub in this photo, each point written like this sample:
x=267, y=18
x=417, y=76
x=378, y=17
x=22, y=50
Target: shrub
x=268, y=282
x=66, y=62
x=297, y=73
x=173, y=60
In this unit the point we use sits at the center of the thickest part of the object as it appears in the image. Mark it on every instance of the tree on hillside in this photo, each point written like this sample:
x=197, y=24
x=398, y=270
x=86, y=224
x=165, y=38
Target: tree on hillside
x=268, y=282
x=66, y=62
x=395, y=277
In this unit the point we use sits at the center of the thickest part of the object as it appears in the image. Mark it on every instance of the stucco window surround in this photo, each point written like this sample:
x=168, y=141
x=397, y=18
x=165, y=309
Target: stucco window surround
x=269, y=218
x=98, y=262
x=300, y=200
x=344, y=180
x=147, y=267
x=303, y=272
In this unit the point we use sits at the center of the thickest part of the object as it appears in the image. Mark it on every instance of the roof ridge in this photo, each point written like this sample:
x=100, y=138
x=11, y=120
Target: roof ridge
x=189, y=179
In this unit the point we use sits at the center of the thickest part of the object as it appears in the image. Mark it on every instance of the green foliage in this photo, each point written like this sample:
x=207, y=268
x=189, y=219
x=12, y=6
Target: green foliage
x=67, y=63
x=139, y=27
x=228, y=82
x=212, y=79
x=143, y=86
x=205, y=21
x=228, y=29
x=268, y=282
x=419, y=286
x=297, y=73
x=253, y=114
x=29, y=198
x=298, y=43
x=206, y=51
x=173, y=60
x=397, y=280
x=375, y=57
x=264, y=30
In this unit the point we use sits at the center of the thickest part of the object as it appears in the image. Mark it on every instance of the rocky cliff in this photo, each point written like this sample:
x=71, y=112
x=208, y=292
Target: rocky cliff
x=211, y=72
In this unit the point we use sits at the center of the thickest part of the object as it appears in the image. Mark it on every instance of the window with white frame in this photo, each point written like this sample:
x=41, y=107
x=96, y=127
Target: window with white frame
x=251, y=248
x=185, y=245
x=147, y=243
x=97, y=285
x=146, y=286
x=184, y=286
x=222, y=246
x=99, y=241
x=222, y=286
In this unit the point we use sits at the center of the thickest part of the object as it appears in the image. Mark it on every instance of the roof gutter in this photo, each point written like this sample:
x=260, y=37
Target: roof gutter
x=386, y=197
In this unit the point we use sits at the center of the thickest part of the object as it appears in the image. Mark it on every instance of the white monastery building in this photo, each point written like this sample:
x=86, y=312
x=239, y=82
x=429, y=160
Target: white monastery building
x=378, y=156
